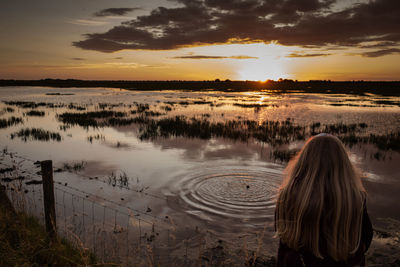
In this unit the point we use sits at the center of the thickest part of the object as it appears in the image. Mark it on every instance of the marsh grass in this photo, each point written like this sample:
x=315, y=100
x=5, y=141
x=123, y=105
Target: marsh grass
x=142, y=107
x=100, y=137
x=166, y=108
x=110, y=105
x=24, y=104
x=60, y=94
x=36, y=113
x=4, y=123
x=273, y=132
x=8, y=109
x=243, y=105
x=88, y=119
x=36, y=134
x=32, y=105
x=74, y=167
x=152, y=113
x=121, y=180
x=118, y=122
x=76, y=107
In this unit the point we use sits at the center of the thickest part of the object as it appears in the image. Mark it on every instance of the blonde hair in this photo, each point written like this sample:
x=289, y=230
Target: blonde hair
x=320, y=203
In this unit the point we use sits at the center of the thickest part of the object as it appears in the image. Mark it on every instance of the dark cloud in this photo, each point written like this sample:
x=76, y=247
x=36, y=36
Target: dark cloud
x=308, y=23
x=114, y=11
x=77, y=58
x=242, y=57
x=214, y=57
x=379, y=45
x=308, y=55
x=382, y=52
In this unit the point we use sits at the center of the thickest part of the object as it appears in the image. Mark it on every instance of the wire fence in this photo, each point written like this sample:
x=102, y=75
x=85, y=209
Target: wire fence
x=113, y=232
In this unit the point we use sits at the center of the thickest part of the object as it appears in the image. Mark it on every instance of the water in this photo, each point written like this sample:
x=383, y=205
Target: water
x=244, y=194
x=223, y=185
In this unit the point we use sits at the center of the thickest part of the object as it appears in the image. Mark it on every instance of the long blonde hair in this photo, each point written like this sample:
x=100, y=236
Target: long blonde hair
x=320, y=202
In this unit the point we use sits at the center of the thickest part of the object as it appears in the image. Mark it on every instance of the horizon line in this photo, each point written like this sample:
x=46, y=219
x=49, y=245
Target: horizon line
x=213, y=80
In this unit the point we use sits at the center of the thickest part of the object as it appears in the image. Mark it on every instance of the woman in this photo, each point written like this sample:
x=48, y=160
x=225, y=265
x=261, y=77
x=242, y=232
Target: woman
x=321, y=216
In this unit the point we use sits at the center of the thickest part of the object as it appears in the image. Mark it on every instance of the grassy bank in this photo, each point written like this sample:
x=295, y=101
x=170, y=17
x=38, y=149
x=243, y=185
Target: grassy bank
x=23, y=242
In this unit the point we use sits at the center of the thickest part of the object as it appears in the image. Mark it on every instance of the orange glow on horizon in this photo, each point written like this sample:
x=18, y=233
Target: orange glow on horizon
x=255, y=62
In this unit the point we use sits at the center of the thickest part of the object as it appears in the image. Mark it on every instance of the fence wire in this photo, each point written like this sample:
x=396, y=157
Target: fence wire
x=113, y=232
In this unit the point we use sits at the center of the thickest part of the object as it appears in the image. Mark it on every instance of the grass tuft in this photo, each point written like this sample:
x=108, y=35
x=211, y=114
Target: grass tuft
x=24, y=242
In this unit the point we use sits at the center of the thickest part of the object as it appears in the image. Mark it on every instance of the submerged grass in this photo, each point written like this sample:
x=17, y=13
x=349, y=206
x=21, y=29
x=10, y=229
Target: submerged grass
x=76, y=166
x=88, y=119
x=60, y=94
x=119, y=122
x=35, y=113
x=36, y=134
x=4, y=123
x=101, y=137
x=390, y=141
x=142, y=107
x=272, y=132
x=76, y=106
x=29, y=104
x=243, y=105
x=8, y=109
x=275, y=133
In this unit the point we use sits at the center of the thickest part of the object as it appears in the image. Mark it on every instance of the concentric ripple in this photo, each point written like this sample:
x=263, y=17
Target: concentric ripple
x=237, y=193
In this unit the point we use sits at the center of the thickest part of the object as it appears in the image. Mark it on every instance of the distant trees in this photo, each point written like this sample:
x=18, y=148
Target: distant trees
x=287, y=85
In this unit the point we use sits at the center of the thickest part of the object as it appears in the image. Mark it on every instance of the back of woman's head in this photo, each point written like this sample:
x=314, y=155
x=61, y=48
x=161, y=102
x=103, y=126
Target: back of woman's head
x=320, y=202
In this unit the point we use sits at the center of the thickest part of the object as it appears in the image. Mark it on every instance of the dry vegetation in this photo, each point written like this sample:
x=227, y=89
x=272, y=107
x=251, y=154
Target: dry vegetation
x=24, y=242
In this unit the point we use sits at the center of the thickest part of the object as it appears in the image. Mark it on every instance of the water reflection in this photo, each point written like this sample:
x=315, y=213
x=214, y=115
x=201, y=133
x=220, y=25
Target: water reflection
x=204, y=179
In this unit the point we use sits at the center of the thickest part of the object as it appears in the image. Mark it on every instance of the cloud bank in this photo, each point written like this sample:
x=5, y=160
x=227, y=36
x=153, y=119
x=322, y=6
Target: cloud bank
x=308, y=55
x=215, y=57
x=114, y=12
x=306, y=23
x=382, y=52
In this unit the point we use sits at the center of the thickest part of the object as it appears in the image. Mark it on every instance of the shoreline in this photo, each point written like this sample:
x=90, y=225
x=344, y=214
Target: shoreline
x=386, y=88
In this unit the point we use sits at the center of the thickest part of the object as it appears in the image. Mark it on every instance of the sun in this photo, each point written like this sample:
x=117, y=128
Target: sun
x=268, y=65
x=261, y=71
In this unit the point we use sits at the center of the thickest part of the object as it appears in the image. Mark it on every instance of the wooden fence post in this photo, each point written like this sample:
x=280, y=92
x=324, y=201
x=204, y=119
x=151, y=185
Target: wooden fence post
x=48, y=198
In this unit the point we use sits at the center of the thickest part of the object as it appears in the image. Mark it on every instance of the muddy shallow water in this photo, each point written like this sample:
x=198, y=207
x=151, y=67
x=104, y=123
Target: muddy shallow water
x=225, y=186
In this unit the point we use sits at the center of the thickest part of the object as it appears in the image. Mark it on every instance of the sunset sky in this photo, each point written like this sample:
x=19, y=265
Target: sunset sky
x=200, y=39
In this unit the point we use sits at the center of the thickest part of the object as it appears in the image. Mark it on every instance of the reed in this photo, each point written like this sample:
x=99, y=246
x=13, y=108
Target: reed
x=142, y=107
x=243, y=105
x=60, y=94
x=27, y=104
x=76, y=166
x=36, y=134
x=5, y=123
x=101, y=137
x=36, y=113
x=8, y=109
x=87, y=119
x=75, y=106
